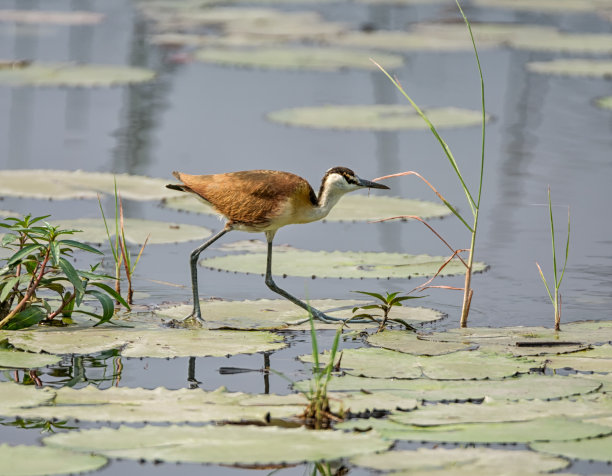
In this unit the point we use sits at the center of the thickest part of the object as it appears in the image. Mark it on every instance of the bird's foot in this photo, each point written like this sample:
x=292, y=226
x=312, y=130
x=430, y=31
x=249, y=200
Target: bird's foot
x=194, y=319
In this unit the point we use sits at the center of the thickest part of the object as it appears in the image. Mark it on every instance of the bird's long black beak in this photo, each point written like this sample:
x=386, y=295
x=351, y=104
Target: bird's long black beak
x=367, y=183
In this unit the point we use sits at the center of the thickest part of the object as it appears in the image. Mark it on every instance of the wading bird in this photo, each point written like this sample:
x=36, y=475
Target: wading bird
x=263, y=201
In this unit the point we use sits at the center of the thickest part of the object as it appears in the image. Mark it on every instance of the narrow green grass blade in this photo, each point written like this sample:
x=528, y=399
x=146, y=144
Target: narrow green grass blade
x=566, y=247
x=545, y=283
x=552, y=234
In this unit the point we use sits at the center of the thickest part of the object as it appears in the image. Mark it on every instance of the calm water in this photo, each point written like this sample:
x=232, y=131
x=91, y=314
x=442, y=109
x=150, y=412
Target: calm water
x=206, y=119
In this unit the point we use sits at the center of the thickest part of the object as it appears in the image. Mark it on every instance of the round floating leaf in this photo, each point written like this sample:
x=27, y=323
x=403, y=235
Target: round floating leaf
x=136, y=230
x=352, y=207
x=597, y=449
x=360, y=402
x=383, y=363
x=573, y=67
x=542, y=429
x=25, y=360
x=586, y=407
x=71, y=75
x=35, y=460
x=605, y=102
x=161, y=342
x=246, y=445
x=557, y=6
x=317, y=59
x=410, y=343
x=380, y=117
x=598, y=359
x=463, y=461
x=162, y=405
x=192, y=342
x=523, y=387
x=14, y=397
x=51, y=17
x=66, y=184
x=282, y=314
x=340, y=264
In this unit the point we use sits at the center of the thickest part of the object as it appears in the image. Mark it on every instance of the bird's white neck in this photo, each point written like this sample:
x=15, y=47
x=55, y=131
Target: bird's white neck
x=328, y=198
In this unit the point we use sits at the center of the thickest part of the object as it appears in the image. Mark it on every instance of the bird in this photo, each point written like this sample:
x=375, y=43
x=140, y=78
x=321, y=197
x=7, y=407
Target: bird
x=259, y=201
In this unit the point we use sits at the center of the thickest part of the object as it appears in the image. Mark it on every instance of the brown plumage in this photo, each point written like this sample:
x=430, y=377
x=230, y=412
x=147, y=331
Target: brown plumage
x=250, y=198
x=264, y=201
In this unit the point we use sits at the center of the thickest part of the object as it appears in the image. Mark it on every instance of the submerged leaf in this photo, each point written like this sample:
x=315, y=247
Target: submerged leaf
x=380, y=117
x=597, y=449
x=383, y=363
x=25, y=460
x=219, y=444
x=51, y=17
x=605, y=102
x=292, y=58
x=71, y=75
x=340, y=264
x=464, y=461
x=136, y=231
x=68, y=184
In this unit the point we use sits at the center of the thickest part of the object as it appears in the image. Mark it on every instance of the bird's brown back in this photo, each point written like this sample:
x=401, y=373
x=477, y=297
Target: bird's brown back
x=251, y=197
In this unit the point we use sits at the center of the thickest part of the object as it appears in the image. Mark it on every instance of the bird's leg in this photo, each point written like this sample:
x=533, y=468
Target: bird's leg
x=193, y=262
x=272, y=285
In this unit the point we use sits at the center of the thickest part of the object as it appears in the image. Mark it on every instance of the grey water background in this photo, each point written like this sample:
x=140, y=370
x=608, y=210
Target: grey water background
x=201, y=118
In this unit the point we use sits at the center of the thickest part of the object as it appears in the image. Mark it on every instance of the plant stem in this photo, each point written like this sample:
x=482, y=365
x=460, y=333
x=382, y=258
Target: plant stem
x=29, y=293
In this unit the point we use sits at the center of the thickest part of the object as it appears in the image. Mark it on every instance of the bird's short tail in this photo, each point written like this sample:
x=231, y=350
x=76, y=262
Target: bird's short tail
x=175, y=186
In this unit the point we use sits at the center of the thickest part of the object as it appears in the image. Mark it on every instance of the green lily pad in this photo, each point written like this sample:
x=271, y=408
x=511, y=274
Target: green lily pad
x=573, y=67
x=523, y=387
x=605, y=102
x=282, y=314
x=72, y=75
x=292, y=58
x=598, y=359
x=454, y=37
x=143, y=342
x=25, y=360
x=15, y=397
x=51, y=17
x=383, y=363
x=353, y=207
x=22, y=460
x=122, y=404
x=464, y=461
x=380, y=117
x=597, y=449
x=410, y=343
x=67, y=184
x=136, y=230
x=588, y=407
x=246, y=445
x=542, y=429
x=340, y=264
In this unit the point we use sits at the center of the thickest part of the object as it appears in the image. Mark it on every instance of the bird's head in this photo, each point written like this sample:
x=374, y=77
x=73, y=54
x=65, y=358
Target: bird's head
x=343, y=180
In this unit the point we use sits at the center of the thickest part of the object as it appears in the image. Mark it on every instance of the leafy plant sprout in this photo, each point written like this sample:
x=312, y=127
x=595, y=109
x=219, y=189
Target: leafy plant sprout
x=472, y=199
x=119, y=249
x=554, y=295
x=39, y=272
x=385, y=305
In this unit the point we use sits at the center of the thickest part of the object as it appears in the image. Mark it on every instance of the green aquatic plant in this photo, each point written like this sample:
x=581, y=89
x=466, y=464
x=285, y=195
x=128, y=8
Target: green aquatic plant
x=385, y=304
x=120, y=250
x=554, y=294
x=472, y=199
x=39, y=272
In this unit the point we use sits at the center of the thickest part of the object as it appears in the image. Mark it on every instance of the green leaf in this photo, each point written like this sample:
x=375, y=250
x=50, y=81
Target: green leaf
x=82, y=246
x=108, y=307
x=26, y=318
x=8, y=286
x=25, y=460
x=73, y=276
x=597, y=449
x=374, y=295
x=25, y=360
x=114, y=294
x=23, y=253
